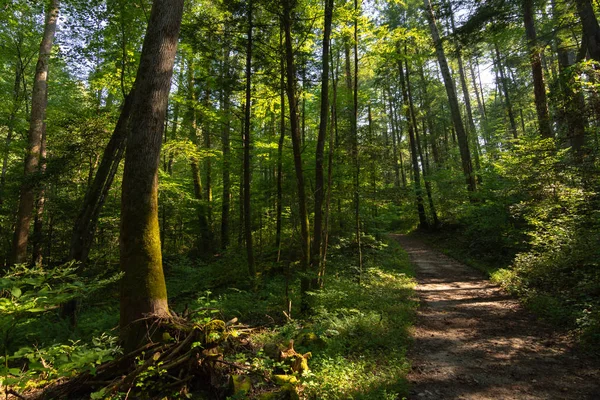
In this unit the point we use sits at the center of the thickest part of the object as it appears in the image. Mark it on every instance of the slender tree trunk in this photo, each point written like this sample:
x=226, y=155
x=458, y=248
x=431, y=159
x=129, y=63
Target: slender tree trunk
x=539, y=87
x=296, y=146
x=247, y=143
x=280, y=150
x=143, y=289
x=419, y=148
x=332, y=126
x=209, y=237
x=355, y=155
x=429, y=117
x=226, y=148
x=16, y=105
x=463, y=142
x=96, y=194
x=413, y=151
x=395, y=165
x=38, y=115
x=38, y=238
x=471, y=130
x=320, y=150
x=504, y=81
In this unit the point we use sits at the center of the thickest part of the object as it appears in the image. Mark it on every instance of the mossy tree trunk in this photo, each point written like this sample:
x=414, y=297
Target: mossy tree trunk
x=143, y=289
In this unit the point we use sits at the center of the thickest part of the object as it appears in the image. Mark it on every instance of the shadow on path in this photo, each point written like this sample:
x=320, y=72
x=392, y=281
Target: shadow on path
x=472, y=341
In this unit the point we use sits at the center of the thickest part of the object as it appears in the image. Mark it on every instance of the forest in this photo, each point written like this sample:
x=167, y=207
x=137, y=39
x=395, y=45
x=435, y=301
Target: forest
x=221, y=198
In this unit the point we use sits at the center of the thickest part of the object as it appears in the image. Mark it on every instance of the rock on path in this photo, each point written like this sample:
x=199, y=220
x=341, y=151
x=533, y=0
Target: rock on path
x=473, y=341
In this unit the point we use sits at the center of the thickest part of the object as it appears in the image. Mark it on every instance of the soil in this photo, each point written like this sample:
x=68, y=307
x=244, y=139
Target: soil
x=473, y=341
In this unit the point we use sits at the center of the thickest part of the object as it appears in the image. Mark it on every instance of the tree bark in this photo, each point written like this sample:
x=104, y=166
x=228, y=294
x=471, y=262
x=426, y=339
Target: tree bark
x=95, y=196
x=591, y=29
x=316, y=252
x=463, y=142
x=38, y=238
x=413, y=151
x=17, y=100
x=143, y=289
x=36, y=128
x=296, y=146
x=504, y=82
x=539, y=87
x=226, y=148
x=419, y=148
x=280, y=150
x=247, y=143
x=354, y=139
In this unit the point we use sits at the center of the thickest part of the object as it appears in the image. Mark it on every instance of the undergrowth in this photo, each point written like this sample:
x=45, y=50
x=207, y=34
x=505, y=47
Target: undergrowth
x=357, y=332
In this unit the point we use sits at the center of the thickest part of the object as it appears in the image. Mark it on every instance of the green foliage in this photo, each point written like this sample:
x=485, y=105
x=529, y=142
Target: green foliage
x=38, y=366
x=32, y=292
x=358, y=334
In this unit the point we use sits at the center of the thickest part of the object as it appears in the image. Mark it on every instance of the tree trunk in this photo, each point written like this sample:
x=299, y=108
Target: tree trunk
x=413, y=151
x=591, y=29
x=143, y=289
x=209, y=237
x=280, y=150
x=247, y=143
x=296, y=146
x=354, y=139
x=573, y=112
x=539, y=87
x=38, y=222
x=329, y=178
x=395, y=145
x=16, y=105
x=320, y=150
x=419, y=148
x=95, y=196
x=504, y=81
x=226, y=148
x=36, y=127
x=463, y=142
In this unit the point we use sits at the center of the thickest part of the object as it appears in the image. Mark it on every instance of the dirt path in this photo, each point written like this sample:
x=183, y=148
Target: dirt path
x=473, y=341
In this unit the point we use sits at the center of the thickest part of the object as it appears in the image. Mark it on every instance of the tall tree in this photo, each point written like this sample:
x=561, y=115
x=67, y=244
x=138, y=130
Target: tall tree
x=247, y=143
x=143, y=289
x=539, y=87
x=507, y=99
x=413, y=150
x=226, y=148
x=316, y=248
x=96, y=193
x=459, y=128
x=591, y=28
x=36, y=129
x=288, y=8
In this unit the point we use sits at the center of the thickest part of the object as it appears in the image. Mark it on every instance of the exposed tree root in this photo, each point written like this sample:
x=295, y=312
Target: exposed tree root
x=189, y=358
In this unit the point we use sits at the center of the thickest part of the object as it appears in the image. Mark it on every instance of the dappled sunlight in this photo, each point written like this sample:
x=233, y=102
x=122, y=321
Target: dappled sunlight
x=472, y=340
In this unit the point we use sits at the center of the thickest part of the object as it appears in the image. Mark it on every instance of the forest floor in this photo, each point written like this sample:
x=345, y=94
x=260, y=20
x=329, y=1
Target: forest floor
x=473, y=341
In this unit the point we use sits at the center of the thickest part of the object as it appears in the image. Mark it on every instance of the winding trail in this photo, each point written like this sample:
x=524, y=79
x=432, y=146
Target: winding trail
x=473, y=341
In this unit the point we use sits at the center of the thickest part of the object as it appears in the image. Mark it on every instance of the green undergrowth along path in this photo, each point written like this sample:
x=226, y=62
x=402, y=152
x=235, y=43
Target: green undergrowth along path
x=359, y=333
